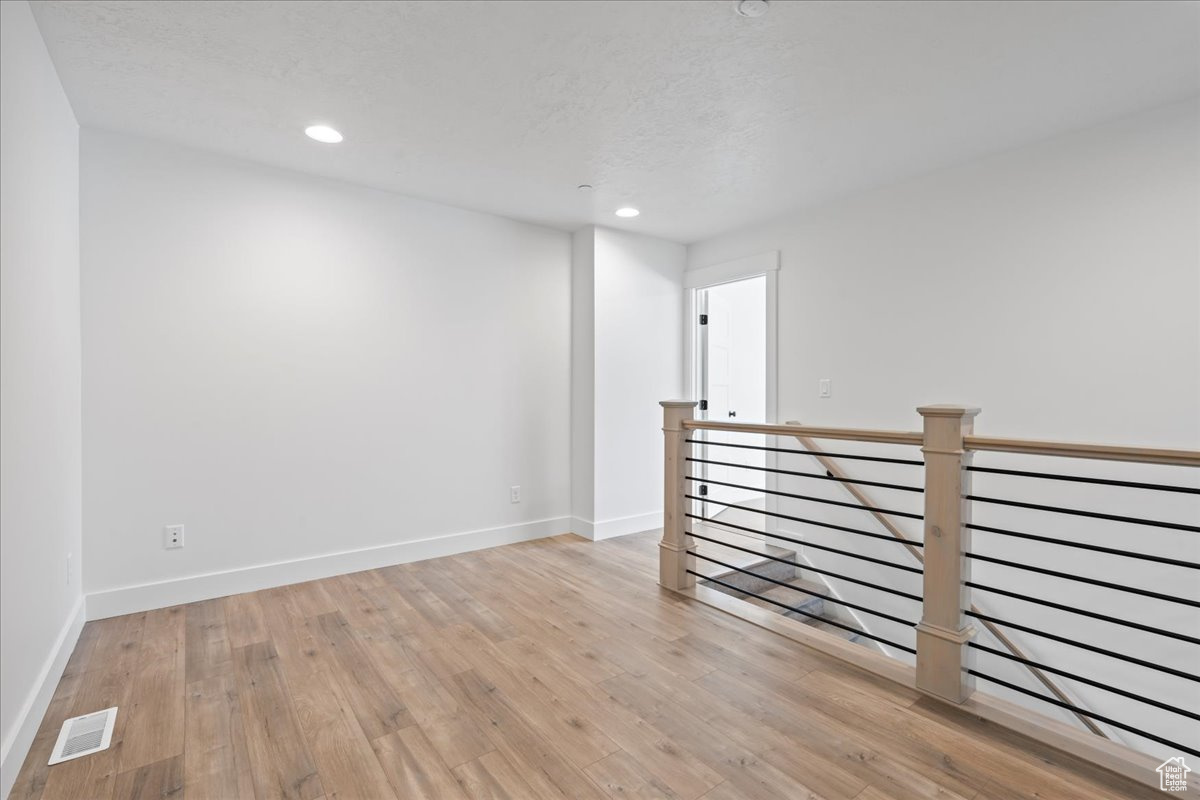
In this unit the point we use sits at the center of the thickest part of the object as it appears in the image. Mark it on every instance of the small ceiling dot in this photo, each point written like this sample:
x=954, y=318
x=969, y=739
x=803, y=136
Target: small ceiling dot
x=751, y=8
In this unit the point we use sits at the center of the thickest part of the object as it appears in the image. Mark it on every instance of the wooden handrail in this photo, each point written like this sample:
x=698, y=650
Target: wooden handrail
x=863, y=498
x=1144, y=455
x=850, y=434
x=1103, y=452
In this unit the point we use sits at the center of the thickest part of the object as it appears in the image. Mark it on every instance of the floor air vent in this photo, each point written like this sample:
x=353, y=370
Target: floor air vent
x=82, y=736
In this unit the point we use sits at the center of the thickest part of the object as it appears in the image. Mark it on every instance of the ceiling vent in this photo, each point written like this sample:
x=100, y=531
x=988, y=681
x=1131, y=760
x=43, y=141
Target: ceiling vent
x=82, y=736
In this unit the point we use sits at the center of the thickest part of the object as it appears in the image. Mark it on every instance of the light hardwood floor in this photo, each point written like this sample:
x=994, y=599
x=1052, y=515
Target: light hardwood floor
x=550, y=669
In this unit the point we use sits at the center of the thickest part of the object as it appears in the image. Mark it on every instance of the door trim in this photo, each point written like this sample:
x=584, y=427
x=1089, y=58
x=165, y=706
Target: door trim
x=728, y=271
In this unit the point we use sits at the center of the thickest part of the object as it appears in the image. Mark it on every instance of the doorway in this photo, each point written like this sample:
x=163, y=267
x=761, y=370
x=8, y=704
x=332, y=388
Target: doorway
x=731, y=385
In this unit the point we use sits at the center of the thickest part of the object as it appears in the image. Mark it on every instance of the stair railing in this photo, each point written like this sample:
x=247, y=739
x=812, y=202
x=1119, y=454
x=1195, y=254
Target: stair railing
x=945, y=649
x=847, y=482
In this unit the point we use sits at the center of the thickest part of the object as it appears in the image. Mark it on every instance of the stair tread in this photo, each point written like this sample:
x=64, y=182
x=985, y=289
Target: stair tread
x=738, y=558
x=792, y=594
x=823, y=625
x=736, y=555
x=808, y=586
x=761, y=603
x=797, y=594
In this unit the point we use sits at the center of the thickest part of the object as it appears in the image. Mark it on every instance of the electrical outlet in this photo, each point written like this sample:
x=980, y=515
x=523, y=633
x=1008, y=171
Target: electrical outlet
x=173, y=536
x=514, y=494
x=825, y=387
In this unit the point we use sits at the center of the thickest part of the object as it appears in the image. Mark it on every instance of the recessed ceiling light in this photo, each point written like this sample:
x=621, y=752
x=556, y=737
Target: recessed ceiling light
x=751, y=8
x=323, y=133
x=585, y=187
x=627, y=212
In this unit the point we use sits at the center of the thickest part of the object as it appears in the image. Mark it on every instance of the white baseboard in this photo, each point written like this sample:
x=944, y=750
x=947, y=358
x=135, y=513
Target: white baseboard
x=583, y=527
x=146, y=596
x=621, y=526
x=19, y=738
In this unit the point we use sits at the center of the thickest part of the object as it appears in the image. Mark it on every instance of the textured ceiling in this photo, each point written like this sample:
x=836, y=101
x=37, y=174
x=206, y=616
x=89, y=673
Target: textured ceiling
x=703, y=119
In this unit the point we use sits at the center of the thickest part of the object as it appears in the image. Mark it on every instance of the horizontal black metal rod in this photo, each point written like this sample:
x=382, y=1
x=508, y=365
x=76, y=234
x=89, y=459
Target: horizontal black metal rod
x=1084, y=646
x=828, y=476
x=1079, y=512
x=1085, y=712
x=785, y=538
x=822, y=453
x=856, y=607
x=792, y=496
x=834, y=623
x=1083, y=579
x=818, y=523
x=1080, y=479
x=880, y=561
x=1083, y=612
x=1084, y=546
x=868, y=584
x=1046, y=668
x=803, y=543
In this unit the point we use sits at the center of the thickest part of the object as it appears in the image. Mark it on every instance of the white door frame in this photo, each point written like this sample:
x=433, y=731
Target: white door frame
x=761, y=265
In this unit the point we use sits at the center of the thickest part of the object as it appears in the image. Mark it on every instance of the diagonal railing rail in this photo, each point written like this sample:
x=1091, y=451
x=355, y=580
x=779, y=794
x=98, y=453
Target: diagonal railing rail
x=846, y=482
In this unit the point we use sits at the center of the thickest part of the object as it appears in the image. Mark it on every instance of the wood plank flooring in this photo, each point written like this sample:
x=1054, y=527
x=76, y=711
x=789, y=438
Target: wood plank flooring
x=553, y=669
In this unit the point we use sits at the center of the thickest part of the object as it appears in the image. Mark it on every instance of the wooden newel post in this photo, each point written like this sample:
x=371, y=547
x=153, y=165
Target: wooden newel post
x=943, y=633
x=673, y=559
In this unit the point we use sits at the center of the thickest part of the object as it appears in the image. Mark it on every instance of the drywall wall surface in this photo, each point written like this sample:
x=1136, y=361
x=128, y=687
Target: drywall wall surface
x=583, y=379
x=295, y=367
x=639, y=361
x=627, y=320
x=1056, y=286
x=40, y=596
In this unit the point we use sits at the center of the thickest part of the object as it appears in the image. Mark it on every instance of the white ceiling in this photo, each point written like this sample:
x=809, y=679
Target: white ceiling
x=703, y=119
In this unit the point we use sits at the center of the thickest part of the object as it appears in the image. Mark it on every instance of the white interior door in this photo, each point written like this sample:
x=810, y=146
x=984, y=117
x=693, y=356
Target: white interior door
x=732, y=372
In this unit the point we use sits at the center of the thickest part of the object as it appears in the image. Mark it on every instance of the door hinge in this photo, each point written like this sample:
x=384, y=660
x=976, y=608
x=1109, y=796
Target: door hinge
x=704, y=405
x=704, y=319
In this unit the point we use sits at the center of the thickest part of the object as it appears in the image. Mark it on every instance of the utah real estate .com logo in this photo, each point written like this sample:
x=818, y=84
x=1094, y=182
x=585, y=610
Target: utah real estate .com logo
x=1172, y=775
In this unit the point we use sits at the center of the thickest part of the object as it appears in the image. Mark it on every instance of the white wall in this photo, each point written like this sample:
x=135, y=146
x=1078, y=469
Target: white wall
x=1065, y=274
x=635, y=344
x=639, y=361
x=294, y=367
x=40, y=601
x=583, y=380
x=1058, y=288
